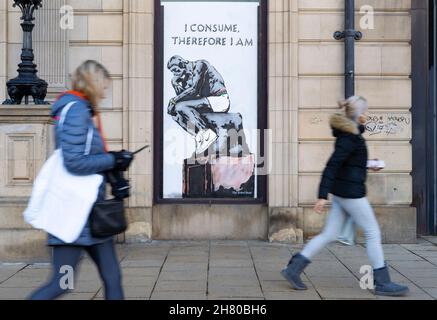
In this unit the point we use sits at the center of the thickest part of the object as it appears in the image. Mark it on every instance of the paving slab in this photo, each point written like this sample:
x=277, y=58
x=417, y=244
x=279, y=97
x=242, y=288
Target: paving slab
x=232, y=282
x=139, y=281
x=402, y=257
x=89, y=286
x=231, y=263
x=431, y=291
x=141, y=263
x=15, y=293
x=146, y=271
x=178, y=296
x=6, y=272
x=25, y=282
x=183, y=286
x=272, y=275
x=431, y=239
x=199, y=267
x=132, y=292
x=420, y=247
x=418, y=265
x=77, y=296
x=334, y=282
x=182, y=275
x=234, y=292
x=292, y=295
x=173, y=270
x=187, y=259
x=344, y=293
x=425, y=282
x=278, y=285
x=223, y=271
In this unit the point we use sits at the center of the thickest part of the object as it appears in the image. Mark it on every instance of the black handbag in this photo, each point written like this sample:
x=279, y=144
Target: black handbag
x=107, y=218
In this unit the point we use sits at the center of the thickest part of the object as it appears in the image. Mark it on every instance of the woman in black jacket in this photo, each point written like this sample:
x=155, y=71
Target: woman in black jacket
x=344, y=177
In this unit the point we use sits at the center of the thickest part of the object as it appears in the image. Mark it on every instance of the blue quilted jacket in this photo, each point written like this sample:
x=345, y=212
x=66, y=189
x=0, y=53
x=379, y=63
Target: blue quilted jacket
x=72, y=139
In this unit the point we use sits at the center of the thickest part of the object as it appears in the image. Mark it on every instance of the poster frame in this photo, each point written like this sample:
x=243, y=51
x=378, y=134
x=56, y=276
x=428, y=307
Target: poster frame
x=158, y=92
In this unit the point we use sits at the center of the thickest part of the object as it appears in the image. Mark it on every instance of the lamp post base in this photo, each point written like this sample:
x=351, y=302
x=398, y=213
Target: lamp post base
x=19, y=88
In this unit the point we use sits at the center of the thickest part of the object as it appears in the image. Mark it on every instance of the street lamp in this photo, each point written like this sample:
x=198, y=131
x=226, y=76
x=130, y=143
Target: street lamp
x=27, y=83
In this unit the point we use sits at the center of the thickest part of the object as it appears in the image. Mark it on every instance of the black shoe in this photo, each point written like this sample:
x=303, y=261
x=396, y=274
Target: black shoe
x=293, y=270
x=384, y=286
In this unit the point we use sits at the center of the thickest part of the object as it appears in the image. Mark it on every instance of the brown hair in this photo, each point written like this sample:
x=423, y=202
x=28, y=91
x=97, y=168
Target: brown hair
x=89, y=79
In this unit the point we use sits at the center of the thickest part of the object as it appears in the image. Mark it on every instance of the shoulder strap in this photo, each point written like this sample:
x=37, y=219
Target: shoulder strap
x=89, y=138
x=64, y=113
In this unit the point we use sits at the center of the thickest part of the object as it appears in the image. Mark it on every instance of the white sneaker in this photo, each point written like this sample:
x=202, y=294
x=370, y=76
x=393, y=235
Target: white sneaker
x=204, y=139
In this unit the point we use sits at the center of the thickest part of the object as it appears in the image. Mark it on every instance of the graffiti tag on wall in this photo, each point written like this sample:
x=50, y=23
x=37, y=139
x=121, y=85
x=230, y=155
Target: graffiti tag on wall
x=387, y=124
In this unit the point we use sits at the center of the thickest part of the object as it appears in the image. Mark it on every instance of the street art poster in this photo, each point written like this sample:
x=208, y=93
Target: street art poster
x=210, y=99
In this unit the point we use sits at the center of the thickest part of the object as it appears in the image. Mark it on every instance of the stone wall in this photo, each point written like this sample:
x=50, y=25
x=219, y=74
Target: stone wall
x=306, y=69
x=25, y=143
x=3, y=48
x=120, y=35
x=305, y=80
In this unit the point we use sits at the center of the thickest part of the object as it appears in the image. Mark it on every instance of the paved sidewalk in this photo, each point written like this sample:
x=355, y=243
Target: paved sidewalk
x=236, y=270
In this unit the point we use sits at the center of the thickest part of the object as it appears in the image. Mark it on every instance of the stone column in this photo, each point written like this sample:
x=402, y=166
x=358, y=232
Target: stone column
x=137, y=112
x=283, y=105
x=50, y=44
x=3, y=48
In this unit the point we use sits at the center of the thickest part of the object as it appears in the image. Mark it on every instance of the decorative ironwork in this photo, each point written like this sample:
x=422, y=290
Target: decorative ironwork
x=27, y=82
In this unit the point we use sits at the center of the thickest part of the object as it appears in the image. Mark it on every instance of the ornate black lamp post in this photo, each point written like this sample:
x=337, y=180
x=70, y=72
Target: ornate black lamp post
x=27, y=83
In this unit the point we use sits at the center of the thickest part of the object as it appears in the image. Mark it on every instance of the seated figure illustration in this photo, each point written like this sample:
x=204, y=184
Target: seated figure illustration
x=201, y=107
x=201, y=103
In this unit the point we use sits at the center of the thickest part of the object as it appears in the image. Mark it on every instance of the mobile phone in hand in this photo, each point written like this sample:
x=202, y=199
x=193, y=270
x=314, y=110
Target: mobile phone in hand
x=375, y=164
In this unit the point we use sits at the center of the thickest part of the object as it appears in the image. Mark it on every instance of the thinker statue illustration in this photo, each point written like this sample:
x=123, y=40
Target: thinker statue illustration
x=222, y=165
x=201, y=106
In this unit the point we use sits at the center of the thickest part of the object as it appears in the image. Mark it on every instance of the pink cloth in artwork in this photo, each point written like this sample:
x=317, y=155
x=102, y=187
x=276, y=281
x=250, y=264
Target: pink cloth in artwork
x=232, y=172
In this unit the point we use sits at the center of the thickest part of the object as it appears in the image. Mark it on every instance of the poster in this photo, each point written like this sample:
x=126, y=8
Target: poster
x=210, y=99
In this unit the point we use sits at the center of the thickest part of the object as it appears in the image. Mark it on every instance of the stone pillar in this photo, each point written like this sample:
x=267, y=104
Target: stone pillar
x=3, y=48
x=137, y=112
x=25, y=144
x=283, y=105
x=50, y=44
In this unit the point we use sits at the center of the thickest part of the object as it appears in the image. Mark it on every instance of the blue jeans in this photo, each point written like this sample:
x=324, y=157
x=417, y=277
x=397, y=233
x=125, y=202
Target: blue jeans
x=362, y=213
x=103, y=255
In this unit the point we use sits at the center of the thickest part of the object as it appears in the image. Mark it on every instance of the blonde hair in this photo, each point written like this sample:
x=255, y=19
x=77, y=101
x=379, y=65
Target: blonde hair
x=89, y=79
x=353, y=107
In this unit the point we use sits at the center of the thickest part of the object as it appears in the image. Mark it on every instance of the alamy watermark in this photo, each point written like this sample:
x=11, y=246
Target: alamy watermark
x=366, y=281
x=367, y=21
x=233, y=147
x=66, y=282
x=67, y=17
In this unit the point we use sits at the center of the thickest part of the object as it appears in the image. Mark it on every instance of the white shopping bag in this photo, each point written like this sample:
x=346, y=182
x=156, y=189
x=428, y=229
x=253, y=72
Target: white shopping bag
x=61, y=202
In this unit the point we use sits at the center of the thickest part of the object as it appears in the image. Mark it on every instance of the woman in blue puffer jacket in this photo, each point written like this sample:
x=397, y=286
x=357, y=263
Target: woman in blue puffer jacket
x=89, y=83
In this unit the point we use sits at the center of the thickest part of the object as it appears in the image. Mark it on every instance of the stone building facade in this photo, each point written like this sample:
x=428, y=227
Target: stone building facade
x=305, y=80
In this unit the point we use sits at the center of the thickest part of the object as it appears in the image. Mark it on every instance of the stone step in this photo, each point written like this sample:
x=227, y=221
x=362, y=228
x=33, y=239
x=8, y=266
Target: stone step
x=19, y=242
x=11, y=215
x=23, y=245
